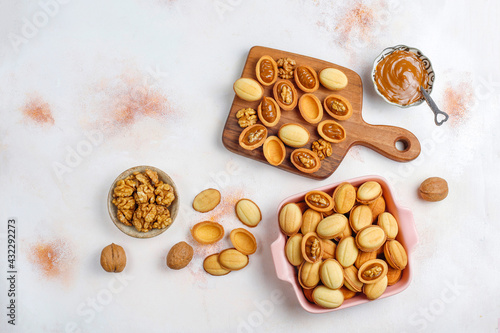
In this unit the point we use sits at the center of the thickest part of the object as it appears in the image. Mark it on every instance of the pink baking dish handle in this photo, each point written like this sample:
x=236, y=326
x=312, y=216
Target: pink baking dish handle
x=281, y=264
x=412, y=237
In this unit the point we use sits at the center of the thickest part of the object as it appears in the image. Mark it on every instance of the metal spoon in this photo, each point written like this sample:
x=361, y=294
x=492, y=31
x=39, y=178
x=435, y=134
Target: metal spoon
x=434, y=108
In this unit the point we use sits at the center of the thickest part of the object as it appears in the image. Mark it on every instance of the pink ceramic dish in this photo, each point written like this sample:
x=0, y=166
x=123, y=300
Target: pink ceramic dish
x=407, y=236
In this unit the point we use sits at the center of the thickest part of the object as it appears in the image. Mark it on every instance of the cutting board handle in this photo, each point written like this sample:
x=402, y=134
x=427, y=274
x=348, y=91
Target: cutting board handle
x=383, y=139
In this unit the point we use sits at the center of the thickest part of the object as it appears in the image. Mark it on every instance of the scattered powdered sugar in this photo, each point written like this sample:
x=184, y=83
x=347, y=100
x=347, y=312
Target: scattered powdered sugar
x=355, y=153
x=38, y=110
x=354, y=24
x=115, y=103
x=458, y=100
x=52, y=259
x=130, y=97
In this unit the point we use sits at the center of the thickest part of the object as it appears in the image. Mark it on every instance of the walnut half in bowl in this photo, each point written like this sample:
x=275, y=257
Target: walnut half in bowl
x=143, y=202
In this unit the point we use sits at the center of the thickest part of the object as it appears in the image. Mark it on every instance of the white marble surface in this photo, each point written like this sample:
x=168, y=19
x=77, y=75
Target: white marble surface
x=88, y=58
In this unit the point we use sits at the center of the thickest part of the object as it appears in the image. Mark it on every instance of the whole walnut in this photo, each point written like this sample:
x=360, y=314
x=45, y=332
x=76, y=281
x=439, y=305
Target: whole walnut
x=179, y=255
x=113, y=258
x=433, y=189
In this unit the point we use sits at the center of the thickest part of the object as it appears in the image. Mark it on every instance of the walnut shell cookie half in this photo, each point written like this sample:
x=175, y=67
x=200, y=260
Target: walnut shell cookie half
x=293, y=249
x=332, y=226
x=312, y=247
x=319, y=201
x=305, y=160
x=329, y=248
x=331, y=131
x=333, y=79
x=206, y=200
x=346, y=252
x=310, y=108
x=253, y=137
x=211, y=266
x=369, y=192
x=393, y=276
x=248, y=89
x=347, y=232
x=372, y=271
x=388, y=222
x=290, y=219
x=332, y=274
x=364, y=257
x=306, y=78
x=310, y=220
x=375, y=290
x=285, y=94
x=309, y=275
x=266, y=70
x=377, y=207
x=294, y=135
x=248, y=212
x=207, y=232
x=370, y=238
x=344, y=198
x=338, y=107
x=269, y=112
x=351, y=280
x=243, y=241
x=274, y=150
x=360, y=217
x=327, y=298
x=303, y=206
x=348, y=294
x=395, y=254
x=233, y=260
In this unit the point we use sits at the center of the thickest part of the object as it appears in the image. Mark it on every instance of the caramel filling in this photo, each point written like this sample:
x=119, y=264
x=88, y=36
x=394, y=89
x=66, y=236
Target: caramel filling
x=399, y=76
x=304, y=159
x=336, y=106
x=266, y=70
x=254, y=136
x=285, y=93
x=333, y=131
x=305, y=77
x=268, y=110
x=372, y=272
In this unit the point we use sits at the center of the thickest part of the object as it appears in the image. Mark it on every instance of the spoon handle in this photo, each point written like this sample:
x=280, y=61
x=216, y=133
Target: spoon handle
x=434, y=108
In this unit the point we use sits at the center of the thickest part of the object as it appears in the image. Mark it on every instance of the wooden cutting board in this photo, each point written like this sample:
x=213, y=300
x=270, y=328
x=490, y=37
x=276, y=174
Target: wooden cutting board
x=377, y=137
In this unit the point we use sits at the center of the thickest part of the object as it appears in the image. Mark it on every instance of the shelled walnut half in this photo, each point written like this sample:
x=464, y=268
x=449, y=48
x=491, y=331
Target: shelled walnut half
x=322, y=148
x=246, y=117
x=286, y=66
